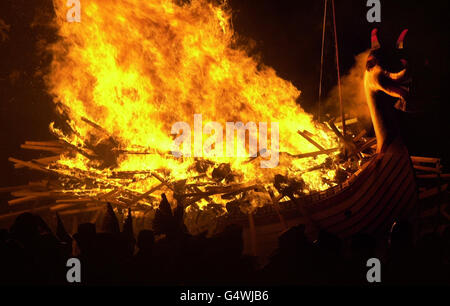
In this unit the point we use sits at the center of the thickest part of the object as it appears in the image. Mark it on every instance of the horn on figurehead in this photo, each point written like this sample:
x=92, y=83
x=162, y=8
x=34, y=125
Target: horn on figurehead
x=374, y=39
x=401, y=38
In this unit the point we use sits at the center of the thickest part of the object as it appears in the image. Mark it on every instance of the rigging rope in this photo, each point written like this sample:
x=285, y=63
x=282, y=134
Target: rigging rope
x=321, y=57
x=338, y=73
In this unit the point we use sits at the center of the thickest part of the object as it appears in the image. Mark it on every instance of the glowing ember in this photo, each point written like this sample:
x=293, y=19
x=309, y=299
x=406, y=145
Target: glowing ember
x=131, y=69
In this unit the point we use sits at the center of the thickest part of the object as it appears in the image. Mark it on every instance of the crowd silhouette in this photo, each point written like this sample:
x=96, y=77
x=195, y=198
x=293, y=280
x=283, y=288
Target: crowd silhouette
x=30, y=253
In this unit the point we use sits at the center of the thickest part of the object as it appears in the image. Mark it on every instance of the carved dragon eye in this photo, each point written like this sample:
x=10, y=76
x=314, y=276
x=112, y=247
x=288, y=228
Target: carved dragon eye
x=371, y=62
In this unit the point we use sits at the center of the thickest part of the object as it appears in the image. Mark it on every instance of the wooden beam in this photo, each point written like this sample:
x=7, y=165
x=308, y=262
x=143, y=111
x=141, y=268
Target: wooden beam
x=306, y=136
x=95, y=125
x=28, y=164
x=314, y=154
x=433, y=176
x=360, y=135
x=335, y=130
x=13, y=188
x=42, y=148
x=16, y=213
x=432, y=191
x=79, y=211
x=142, y=196
x=420, y=159
x=47, y=160
x=44, y=143
x=368, y=144
x=29, y=193
x=62, y=206
x=23, y=200
x=426, y=169
x=220, y=190
x=347, y=122
x=86, y=200
x=258, y=155
x=159, y=178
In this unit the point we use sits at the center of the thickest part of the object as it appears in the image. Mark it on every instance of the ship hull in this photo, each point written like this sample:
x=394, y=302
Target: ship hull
x=382, y=192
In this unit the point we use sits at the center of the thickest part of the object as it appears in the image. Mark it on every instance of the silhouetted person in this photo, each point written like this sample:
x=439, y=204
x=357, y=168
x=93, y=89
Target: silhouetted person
x=128, y=235
x=31, y=254
x=291, y=262
x=327, y=259
x=401, y=258
x=144, y=267
x=85, y=238
x=34, y=253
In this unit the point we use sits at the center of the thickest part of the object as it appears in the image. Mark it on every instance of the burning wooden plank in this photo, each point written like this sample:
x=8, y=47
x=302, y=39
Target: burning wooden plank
x=63, y=206
x=13, y=188
x=90, y=200
x=306, y=135
x=95, y=125
x=79, y=211
x=74, y=200
x=223, y=190
x=43, y=148
x=360, y=135
x=335, y=130
x=348, y=122
x=23, y=200
x=368, y=144
x=30, y=165
x=260, y=153
x=159, y=178
x=144, y=195
x=22, y=193
x=51, y=143
x=83, y=151
x=47, y=160
x=316, y=153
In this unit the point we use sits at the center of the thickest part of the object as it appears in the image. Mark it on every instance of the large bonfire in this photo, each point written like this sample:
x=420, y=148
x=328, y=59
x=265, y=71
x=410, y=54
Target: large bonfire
x=131, y=69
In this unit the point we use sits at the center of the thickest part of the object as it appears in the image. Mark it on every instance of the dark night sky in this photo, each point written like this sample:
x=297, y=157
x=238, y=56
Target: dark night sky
x=287, y=36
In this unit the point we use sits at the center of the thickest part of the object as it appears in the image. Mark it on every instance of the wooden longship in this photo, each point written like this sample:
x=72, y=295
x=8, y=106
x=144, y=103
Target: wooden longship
x=383, y=191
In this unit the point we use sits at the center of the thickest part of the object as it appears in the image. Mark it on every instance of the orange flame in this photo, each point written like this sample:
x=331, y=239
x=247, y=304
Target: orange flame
x=136, y=67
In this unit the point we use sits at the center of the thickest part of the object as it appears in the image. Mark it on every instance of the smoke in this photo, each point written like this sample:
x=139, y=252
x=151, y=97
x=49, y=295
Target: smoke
x=352, y=86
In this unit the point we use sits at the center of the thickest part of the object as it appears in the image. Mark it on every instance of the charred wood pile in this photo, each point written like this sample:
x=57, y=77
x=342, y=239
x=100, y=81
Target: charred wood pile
x=73, y=191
